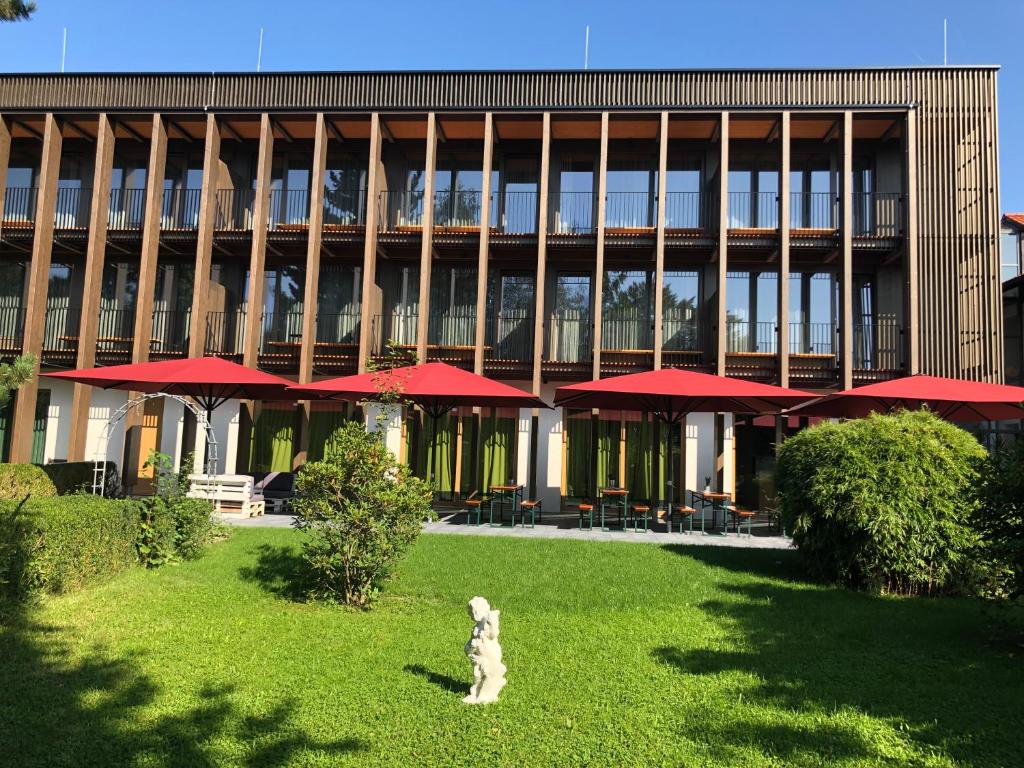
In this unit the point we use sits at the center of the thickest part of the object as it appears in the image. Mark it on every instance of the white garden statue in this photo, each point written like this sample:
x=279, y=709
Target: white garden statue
x=484, y=652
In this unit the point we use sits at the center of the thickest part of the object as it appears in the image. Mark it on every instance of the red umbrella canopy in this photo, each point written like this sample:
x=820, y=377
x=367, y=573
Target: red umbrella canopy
x=671, y=393
x=952, y=399
x=435, y=387
x=208, y=380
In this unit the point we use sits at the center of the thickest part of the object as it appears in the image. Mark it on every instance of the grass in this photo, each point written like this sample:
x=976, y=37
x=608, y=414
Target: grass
x=618, y=654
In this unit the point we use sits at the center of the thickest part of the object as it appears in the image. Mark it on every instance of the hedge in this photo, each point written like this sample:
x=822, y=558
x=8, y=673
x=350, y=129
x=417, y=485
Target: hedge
x=20, y=480
x=44, y=480
x=77, y=477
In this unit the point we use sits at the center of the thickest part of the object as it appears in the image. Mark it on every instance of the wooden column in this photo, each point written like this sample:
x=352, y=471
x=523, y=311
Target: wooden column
x=784, y=205
x=846, y=277
x=88, y=327
x=204, y=238
x=38, y=283
x=911, y=324
x=427, y=242
x=311, y=292
x=258, y=257
x=150, y=240
x=542, y=253
x=485, y=242
x=602, y=193
x=5, y=158
x=374, y=176
x=659, y=244
x=723, y=241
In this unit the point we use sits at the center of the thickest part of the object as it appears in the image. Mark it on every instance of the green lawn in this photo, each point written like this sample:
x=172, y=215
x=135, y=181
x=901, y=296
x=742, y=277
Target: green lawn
x=618, y=654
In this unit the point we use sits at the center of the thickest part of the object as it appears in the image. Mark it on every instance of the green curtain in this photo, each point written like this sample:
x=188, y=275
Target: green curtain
x=499, y=450
x=323, y=428
x=443, y=464
x=578, y=450
x=273, y=437
x=640, y=458
x=469, y=480
x=6, y=414
x=39, y=426
x=608, y=453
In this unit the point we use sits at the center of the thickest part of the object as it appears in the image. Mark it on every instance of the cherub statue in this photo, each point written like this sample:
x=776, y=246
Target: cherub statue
x=484, y=652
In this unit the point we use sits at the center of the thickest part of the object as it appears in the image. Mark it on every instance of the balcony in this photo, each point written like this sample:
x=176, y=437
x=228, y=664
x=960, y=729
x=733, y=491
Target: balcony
x=127, y=209
x=574, y=214
x=400, y=211
x=687, y=212
x=60, y=336
x=451, y=335
x=180, y=210
x=753, y=210
x=813, y=211
x=814, y=353
x=114, y=335
x=517, y=212
x=12, y=331
x=751, y=349
x=225, y=331
x=234, y=210
x=508, y=343
x=19, y=207
x=630, y=211
x=72, y=208
x=337, y=342
x=344, y=209
x=289, y=210
x=281, y=339
x=878, y=215
x=170, y=334
x=459, y=209
x=570, y=345
x=627, y=340
x=680, y=338
x=399, y=327
x=878, y=350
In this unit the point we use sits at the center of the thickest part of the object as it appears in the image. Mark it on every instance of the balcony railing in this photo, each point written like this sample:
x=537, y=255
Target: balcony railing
x=878, y=214
x=454, y=327
x=234, y=209
x=813, y=210
x=344, y=207
x=745, y=336
x=170, y=333
x=459, y=208
x=679, y=330
x=753, y=210
x=878, y=346
x=225, y=332
x=630, y=210
x=399, y=327
x=626, y=330
x=574, y=214
x=281, y=332
x=60, y=334
x=289, y=209
x=813, y=339
x=510, y=337
x=127, y=208
x=398, y=210
x=115, y=332
x=12, y=331
x=339, y=328
x=72, y=208
x=686, y=210
x=518, y=213
x=19, y=206
x=180, y=209
x=569, y=337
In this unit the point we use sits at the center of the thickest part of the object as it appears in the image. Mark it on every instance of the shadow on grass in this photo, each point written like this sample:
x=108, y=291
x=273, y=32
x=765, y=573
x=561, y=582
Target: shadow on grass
x=103, y=711
x=855, y=677
x=278, y=570
x=448, y=683
x=773, y=563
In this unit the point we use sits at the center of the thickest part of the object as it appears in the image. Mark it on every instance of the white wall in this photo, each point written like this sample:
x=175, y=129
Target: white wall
x=393, y=436
x=103, y=404
x=549, y=450
x=58, y=420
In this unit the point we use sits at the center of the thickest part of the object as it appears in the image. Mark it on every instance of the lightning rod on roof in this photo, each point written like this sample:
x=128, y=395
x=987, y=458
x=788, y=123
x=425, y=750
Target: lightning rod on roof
x=259, y=52
x=64, y=49
x=586, y=49
x=945, y=45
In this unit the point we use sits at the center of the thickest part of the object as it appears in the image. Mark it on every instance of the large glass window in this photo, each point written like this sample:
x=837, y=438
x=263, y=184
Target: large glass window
x=752, y=312
x=518, y=212
x=626, y=310
x=576, y=195
x=753, y=195
x=282, y=307
x=813, y=303
x=684, y=201
x=570, y=339
x=680, y=297
x=452, y=306
x=345, y=189
x=632, y=185
x=1010, y=254
x=339, y=301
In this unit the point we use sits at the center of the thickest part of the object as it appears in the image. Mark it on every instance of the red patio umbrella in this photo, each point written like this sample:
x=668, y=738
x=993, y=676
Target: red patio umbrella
x=437, y=388
x=671, y=393
x=952, y=399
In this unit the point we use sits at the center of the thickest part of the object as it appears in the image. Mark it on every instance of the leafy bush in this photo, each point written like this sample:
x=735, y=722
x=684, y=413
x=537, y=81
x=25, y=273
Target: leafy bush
x=193, y=526
x=1000, y=520
x=156, y=532
x=361, y=511
x=57, y=545
x=77, y=477
x=173, y=524
x=883, y=503
x=20, y=480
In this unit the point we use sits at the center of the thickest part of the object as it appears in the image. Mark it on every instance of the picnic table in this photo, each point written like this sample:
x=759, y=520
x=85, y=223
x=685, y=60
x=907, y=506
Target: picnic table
x=717, y=500
x=502, y=493
x=615, y=498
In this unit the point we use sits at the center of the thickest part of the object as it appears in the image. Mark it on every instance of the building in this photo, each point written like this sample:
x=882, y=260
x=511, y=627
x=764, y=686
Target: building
x=1012, y=268
x=813, y=228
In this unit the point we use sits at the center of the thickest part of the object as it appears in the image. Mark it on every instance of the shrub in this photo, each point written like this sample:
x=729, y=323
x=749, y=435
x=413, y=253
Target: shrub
x=361, y=511
x=20, y=480
x=77, y=477
x=1000, y=520
x=883, y=503
x=60, y=544
x=156, y=532
x=193, y=526
x=173, y=524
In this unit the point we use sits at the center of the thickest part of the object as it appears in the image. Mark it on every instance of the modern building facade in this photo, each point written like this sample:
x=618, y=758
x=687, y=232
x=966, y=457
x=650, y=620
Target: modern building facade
x=811, y=228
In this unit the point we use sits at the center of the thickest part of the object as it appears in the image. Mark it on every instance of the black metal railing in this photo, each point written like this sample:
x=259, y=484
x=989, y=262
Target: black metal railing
x=686, y=210
x=398, y=327
x=518, y=215
x=813, y=210
x=281, y=332
x=813, y=339
x=626, y=329
x=234, y=209
x=630, y=210
x=753, y=210
x=878, y=346
x=60, y=328
x=878, y=214
x=289, y=209
x=344, y=207
x=569, y=337
x=180, y=209
x=680, y=331
x=400, y=209
x=72, y=208
x=338, y=328
x=19, y=206
x=574, y=214
x=115, y=331
x=170, y=333
x=225, y=332
x=12, y=330
x=458, y=208
x=746, y=336
x=453, y=327
x=509, y=336
x=127, y=208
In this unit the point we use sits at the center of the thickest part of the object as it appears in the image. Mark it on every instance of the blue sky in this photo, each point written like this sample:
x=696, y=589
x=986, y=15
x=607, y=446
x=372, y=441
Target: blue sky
x=111, y=35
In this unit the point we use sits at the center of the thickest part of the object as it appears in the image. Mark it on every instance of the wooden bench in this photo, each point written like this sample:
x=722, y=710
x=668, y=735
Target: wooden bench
x=681, y=512
x=474, y=503
x=586, y=508
x=230, y=494
x=740, y=514
x=534, y=506
x=639, y=511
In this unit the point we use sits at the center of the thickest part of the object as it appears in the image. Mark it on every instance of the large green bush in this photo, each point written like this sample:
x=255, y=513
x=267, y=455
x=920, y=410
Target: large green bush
x=883, y=503
x=77, y=477
x=1000, y=519
x=361, y=511
x=20, y=480
x=173, y=525
x=54, y=545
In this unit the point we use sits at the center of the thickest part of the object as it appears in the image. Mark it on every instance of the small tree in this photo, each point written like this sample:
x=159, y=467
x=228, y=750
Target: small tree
x=883, y=503
x=15, y=375
x=361, y=511
x=1000, y=519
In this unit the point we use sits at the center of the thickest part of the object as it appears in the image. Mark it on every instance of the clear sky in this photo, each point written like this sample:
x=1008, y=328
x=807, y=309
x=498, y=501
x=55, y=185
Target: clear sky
x=205, y=35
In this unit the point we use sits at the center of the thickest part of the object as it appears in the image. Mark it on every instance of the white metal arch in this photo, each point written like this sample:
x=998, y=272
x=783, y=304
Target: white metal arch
x=99, y=470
